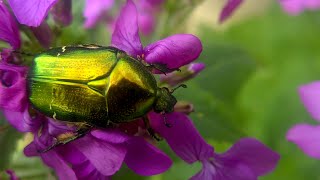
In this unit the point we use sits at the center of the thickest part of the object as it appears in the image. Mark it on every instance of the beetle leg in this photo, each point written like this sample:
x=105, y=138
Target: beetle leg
x=161, y=67
x=149, y=129
x=82, y=131
x=165, y=120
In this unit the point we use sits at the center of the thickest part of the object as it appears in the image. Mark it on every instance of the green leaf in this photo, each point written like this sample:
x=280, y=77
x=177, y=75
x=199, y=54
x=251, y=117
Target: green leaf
x=8, y=141
x=215, y=90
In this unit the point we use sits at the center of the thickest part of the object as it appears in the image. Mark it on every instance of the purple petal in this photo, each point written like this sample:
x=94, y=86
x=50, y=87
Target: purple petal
x=55, y=128
x=196, y=67
x=229, y=9
x=50, y=158
x=307, y=138
x=61, y=167
x=12, y=174
x=292, y=7
x=12, y=87
x=94, y=10
x=310, y=97
x=22, y=121
x=220, y=171
x=61, y=12
x=174, y=51
x=71, y=154
x=31, y=150
x=252, y=153
x=31, y=12
x=107, y=158
x=126, y=33
x=82, y=167
x=43, y=34
x=146, y=23
x=112, y=136
x=9, y=31
x=182, y=137
x=147, y=11
x=312, y=4
x=145, y=159
x=87, y=171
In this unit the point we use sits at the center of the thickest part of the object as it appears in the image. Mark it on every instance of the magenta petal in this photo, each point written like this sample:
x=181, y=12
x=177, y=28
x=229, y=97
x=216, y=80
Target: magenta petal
x=55, y=161
x=12, y=87
x=106, y=157
x=22, y=121
x=43, y=34
x=112, y=136
x=310, y=97
x=182, y=137
x=229, y=9
x=145, y=159
x=61, y=12
x=312, y=4
x=252, y=153
x=174, y=51
x=94, y=9
x=56, y=128
x=12, y=174
x=306, y=137
x=71, y=154
x=9, y=31
x=31, y=150
x=126, y=33
x=292, y=7
x=220, y=171
x=31, y=12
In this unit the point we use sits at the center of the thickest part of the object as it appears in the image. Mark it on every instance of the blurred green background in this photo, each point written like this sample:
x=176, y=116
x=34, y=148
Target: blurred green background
x=255, y=61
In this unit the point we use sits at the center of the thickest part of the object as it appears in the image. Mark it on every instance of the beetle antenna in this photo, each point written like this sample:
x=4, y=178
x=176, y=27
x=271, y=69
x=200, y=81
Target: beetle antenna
x=24, y=53
x=180, y=85
x=165, y=120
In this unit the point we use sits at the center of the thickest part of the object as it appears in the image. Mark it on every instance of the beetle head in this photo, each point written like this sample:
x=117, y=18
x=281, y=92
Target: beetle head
x=165, y=101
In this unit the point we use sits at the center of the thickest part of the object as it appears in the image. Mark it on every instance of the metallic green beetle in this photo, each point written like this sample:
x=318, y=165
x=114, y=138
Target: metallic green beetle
x=94, y=85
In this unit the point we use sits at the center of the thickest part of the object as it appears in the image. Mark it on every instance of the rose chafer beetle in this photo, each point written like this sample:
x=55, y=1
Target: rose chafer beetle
x=94, y=86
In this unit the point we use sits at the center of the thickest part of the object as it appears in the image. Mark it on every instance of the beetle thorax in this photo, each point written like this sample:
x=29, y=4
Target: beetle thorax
x=165, y=101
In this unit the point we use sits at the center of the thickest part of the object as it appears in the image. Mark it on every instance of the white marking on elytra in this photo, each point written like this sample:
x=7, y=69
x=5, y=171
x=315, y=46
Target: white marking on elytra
x=58, y=54
x=50, y=106
x=54, y=115
x=64, y=48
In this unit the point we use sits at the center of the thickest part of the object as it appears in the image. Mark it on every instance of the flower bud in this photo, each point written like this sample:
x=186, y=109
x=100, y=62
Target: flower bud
x=61, y=12
x=187, y=72
x=43, y=34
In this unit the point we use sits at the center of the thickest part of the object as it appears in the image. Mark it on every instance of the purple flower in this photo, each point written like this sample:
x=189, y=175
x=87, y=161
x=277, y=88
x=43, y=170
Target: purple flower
x=98, y=155
x=43, y=34
x=304, y=135
x=9, y=31
x=61, y=12
x=294, y=7
x=31, y=12
x=95, y=10
x=13, y=98
x=147, y=11
x=229, y=9
x=12, y=174
x=174, y=51
x=245, y=160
